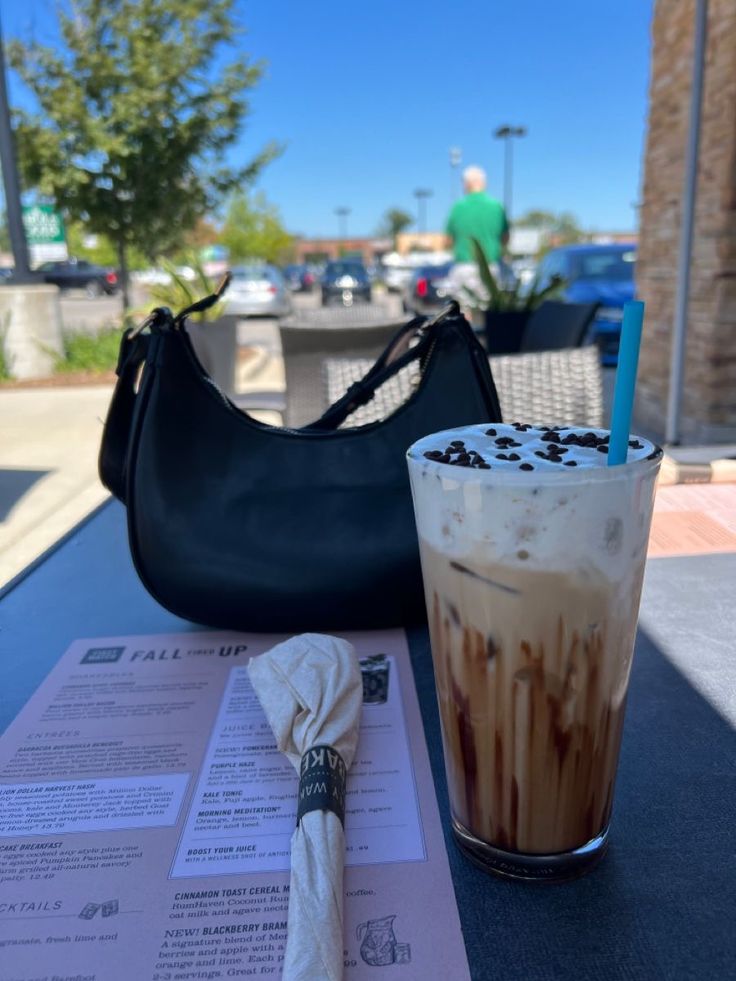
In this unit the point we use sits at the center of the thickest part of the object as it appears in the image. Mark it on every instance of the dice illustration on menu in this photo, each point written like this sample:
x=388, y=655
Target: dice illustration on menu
x=88, y=911
x=110, y=908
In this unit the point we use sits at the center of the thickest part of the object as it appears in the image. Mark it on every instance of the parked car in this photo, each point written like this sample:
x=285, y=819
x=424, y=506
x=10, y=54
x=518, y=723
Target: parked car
x=345, y=280
x=258, y=290
x=596, y=274
x=161, y=277
x=72, y=274
x=396, y=277
x=524, y=270
x=299, y=278
x=428, y=290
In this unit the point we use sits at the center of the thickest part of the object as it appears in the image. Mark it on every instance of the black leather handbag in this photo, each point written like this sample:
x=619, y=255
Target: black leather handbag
x=237, y=524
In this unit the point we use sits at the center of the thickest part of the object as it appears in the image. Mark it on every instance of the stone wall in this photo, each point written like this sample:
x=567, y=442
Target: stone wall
x=709, y=404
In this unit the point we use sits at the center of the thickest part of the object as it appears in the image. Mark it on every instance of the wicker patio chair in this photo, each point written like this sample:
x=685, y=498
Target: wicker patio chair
x=353, y=333
x=555, y=325
x=563, y=388
x=358, y=315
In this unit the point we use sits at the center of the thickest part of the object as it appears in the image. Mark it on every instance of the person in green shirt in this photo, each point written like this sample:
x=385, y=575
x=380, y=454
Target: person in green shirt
x=477, y=215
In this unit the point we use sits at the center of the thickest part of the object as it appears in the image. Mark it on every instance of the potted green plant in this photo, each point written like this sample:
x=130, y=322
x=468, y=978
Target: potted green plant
x=213, y=332
x=507, y=307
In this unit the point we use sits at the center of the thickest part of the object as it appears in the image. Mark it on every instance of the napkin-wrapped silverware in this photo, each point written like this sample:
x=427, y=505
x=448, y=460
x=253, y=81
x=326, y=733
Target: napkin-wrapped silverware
x=311, y=691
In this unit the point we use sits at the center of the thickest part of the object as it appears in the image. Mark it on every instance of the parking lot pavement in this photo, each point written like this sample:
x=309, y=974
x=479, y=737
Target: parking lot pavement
x=80, y=313
x=91, y=314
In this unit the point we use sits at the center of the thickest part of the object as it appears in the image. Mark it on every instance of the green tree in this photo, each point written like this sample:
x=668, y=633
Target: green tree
x=559, y=228
x=79, y=243
x=535, y=218
x=99, y=248
x=204, y=233
x=566, y=229
x=136, y=107
x=394, y=222
x=253, y=230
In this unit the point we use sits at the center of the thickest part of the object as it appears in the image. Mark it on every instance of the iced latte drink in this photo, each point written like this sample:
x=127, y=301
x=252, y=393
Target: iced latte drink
x=533, y=555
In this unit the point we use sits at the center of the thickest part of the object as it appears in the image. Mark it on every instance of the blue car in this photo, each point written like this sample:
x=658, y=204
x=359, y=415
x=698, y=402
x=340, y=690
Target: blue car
x=596, y=274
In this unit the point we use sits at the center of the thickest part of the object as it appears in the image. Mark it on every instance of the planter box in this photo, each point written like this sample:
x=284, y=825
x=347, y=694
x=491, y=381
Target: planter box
x=504, y=331
x=30, y=329
x=216, y=346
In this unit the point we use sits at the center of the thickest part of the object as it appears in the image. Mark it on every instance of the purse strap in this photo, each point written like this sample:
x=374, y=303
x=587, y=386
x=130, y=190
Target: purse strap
x=134, y=352
x=397, y=355
x=134, y=347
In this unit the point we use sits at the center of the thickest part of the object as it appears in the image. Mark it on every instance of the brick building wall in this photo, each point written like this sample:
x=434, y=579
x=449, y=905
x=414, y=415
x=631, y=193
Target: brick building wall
x=334, y=248
x=709, y=403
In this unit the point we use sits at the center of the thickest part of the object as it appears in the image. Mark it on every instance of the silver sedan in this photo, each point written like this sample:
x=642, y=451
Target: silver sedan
x=258, y=291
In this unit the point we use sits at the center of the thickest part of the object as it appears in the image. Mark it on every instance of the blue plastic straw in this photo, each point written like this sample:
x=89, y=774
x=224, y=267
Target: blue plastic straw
x=623, y=395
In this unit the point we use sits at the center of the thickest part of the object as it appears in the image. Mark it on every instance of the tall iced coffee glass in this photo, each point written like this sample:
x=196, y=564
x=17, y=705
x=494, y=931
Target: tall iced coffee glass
x=533, y=555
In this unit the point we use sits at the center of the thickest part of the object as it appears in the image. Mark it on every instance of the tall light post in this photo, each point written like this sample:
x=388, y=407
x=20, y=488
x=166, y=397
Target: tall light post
x=342, y=219
x=507, y=133
x=18, y=243
x=456, y=157
x=421, y=194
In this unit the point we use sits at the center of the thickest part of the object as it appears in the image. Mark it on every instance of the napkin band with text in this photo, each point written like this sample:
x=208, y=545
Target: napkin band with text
x=322, y=777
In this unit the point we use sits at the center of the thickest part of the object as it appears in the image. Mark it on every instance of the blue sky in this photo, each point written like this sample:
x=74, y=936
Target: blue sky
x=368, y=99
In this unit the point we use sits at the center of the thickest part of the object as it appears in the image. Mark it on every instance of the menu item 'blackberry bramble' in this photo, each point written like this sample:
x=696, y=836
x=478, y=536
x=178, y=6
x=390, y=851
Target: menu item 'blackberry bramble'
x=533, y=553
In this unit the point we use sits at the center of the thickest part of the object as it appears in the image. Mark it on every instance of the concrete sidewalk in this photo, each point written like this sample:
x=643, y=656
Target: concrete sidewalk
x=49, y=440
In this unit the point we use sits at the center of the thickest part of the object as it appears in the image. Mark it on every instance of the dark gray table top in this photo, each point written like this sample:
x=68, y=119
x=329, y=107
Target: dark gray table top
x=660, y=906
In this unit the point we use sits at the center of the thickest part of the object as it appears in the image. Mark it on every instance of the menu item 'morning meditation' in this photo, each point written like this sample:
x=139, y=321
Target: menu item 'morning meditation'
x=533, y=554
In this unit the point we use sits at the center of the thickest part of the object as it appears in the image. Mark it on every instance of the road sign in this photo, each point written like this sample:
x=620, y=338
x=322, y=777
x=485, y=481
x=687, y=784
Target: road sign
x=44, y=233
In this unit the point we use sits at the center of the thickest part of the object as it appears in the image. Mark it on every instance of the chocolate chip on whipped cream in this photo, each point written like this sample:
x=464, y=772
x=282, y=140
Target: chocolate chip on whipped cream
x=534, y=447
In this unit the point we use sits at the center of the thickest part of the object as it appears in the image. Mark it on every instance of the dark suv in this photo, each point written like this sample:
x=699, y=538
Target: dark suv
x=345, y=280
x=78, y=274
x=299, y=278
x=428, y=291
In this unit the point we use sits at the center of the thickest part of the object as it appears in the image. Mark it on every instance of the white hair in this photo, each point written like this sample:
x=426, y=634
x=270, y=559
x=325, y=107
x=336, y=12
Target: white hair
x=474, y=177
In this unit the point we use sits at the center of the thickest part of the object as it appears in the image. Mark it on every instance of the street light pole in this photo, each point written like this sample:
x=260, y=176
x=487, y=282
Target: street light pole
x=507, y=133
x=342, y=218
x=508, y=171
x=421, y=194
x=456, y=157
x=17, y=232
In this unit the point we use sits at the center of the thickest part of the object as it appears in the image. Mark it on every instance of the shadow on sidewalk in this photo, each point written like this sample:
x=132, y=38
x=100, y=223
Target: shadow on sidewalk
x=14, y=485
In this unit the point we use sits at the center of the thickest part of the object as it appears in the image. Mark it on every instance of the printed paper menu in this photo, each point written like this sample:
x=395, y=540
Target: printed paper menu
x=146, y=817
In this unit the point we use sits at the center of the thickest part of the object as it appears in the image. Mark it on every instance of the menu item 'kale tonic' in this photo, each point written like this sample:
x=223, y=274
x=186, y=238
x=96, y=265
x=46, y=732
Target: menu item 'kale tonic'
x=533, y=554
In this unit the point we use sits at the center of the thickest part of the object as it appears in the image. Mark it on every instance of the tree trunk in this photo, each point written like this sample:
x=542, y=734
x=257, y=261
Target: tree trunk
x=123, y=271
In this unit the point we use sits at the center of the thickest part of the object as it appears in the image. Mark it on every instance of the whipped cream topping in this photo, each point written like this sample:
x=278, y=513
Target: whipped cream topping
x=523, y=448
